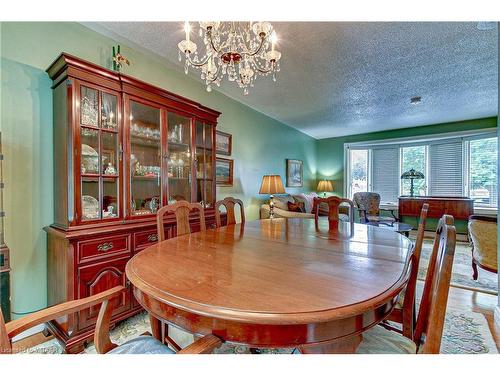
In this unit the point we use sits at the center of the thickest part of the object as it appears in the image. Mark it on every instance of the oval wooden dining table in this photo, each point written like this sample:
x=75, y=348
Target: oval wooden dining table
x=280, y=283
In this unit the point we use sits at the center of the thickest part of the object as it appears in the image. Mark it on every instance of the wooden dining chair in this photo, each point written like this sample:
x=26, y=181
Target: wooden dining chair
x=102, y=341
x=333, y=203
x=181, y=210
x=432, y=310
x=230, y=204
x=405, y=311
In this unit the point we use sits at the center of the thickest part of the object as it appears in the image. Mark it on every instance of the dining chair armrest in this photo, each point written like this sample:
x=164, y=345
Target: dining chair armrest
x=17, y=326
x=204, y=345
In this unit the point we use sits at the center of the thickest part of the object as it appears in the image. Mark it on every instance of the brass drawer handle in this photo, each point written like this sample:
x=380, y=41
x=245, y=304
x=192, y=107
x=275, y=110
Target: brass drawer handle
x=105, y=246
x=153, y=237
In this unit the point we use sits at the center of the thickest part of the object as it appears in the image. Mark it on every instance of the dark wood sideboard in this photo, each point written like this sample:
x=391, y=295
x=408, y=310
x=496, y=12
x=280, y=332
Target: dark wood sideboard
x=122, y=149
x=459, y=207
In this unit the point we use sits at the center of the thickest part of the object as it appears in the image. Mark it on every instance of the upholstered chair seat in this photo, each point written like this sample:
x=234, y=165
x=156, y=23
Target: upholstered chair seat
x=379, y=340
x=142, y=345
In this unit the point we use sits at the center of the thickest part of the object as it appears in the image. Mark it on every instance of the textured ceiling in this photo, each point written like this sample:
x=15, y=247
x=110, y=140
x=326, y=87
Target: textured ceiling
x=349, y=78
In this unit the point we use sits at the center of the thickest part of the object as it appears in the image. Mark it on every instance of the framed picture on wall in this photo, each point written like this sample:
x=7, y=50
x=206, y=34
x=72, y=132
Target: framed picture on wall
x=294, y=173
x=223, y=143
x=224, y=172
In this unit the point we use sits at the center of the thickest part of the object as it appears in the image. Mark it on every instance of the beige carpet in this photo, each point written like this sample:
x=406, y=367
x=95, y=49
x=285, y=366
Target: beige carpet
x=461, y=277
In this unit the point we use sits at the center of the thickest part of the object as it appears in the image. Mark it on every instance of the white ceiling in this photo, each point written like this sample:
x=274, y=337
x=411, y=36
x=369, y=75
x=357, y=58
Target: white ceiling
x=349, y=78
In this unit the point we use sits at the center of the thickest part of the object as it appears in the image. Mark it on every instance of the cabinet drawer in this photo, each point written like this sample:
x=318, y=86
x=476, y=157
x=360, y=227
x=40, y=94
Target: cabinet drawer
x=104, y=247
x=145, y=239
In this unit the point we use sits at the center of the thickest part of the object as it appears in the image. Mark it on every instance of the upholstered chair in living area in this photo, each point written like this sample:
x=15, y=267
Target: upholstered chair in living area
x=484, y=239
x=102, y=341
x=368, y=206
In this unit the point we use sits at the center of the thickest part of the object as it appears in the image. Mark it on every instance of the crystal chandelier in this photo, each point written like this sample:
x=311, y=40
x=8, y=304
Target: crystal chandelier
x=242, y=51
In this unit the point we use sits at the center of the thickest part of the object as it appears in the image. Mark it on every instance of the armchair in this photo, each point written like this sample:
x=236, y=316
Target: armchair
x=368, y=206
x=103, y=344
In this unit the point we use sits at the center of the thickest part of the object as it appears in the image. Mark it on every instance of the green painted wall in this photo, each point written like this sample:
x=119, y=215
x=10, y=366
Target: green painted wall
x=260, y=144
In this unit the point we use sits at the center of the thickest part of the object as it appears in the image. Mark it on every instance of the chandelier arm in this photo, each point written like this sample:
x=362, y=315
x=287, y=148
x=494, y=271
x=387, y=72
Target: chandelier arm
x=188, y=58
x=209, y=33
x=259, y=48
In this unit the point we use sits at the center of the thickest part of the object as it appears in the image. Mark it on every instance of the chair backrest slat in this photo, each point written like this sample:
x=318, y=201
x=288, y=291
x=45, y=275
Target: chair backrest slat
x=181, y=210
x=229, y=203
x=432, y=310
x=333, y=203
x=409, y=300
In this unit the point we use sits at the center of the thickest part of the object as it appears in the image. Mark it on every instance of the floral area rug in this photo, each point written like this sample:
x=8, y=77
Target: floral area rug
x=463, y=334
x=461, y=277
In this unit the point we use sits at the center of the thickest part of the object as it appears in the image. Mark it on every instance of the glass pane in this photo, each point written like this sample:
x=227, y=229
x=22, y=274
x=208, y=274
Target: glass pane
x=109, y=154
x=90, y=147
x=199, y=134
x=179, y=163
x=209, y=196
x=200, y=173
x=483, y=171
x=110, y=198
x=199, y=191
x=145, y=158
x=178, y=128
x=413, y=158
x=90, y=199
x=208, y=164
x=89, y=106
x=208, y=136
x=359, y=171
x=108, y=111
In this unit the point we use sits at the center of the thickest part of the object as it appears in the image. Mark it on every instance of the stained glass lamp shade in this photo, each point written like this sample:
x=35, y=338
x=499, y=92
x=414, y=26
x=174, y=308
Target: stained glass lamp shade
x=412, y=175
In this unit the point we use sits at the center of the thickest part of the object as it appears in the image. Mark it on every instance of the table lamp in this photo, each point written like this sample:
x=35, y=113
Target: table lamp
x=325, y=186
x=411, y=175
x=271, y=184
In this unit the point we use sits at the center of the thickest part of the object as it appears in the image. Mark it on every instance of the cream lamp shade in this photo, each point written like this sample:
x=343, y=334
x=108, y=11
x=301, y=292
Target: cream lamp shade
x=272, y=184
x=325, y=186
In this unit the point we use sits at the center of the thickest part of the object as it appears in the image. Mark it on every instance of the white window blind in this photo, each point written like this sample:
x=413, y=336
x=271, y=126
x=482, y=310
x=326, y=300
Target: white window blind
x=446, y=169
x=385, y=173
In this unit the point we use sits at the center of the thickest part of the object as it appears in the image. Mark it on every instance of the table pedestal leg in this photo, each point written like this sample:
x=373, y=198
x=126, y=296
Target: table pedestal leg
x=156, y=328
x=342, y=346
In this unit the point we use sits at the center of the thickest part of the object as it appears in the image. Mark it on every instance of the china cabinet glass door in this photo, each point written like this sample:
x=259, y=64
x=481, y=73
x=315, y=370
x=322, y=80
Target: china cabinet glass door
x=99, y=159
x=179, y=167
x=145, y=159
x=204, y=157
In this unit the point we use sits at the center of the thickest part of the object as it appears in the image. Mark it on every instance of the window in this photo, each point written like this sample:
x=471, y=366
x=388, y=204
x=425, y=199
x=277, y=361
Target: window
x=414, y=157
x=358, y=168
x=446, y=169
x=451, y=165
x=483, y=180
x=385, y=173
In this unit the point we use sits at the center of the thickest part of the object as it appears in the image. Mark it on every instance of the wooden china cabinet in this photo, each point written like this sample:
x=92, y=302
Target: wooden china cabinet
x=122, y=149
